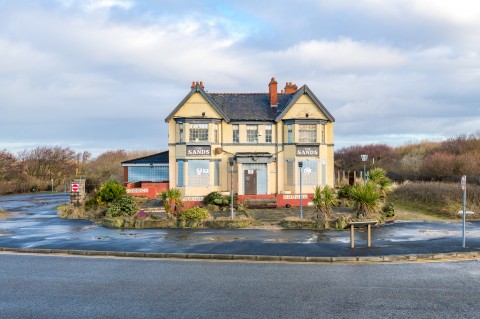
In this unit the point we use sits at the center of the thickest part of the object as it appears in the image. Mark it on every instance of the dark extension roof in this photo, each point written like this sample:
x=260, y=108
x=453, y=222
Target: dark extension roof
x=159, y=158
x=252, y=106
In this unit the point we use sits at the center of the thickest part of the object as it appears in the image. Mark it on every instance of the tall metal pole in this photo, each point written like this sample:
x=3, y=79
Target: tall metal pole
x=230, y=161
x=300, y=164
x=364, y=160
x=464, y=203
x=364, y=174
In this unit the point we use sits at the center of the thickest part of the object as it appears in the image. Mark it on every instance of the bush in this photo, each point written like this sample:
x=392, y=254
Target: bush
x=172, y=201
x=122, y=206
x=344, y=192
x=192, y=217
x=366, y=199
x=324, y=200
x=216, y=198
x=109, y=192
x=388, y=210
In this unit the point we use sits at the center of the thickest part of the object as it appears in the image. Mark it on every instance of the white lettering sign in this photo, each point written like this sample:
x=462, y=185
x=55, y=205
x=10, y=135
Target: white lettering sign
x=295, y=196
x=193, y=199
x=137, y=190
x=307, y=151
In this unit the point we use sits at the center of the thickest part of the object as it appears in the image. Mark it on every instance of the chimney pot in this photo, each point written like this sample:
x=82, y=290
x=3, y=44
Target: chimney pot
x=193, y=85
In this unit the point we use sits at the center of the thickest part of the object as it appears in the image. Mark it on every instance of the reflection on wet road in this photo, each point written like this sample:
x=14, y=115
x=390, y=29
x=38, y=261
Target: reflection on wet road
x=33, y=224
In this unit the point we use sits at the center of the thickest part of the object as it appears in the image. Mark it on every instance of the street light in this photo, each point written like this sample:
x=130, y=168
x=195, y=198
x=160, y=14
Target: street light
x=364, y=160
x=230, y=162
x=300, y=165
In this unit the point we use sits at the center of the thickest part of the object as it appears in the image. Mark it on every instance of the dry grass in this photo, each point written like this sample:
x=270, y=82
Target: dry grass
x=436, y=199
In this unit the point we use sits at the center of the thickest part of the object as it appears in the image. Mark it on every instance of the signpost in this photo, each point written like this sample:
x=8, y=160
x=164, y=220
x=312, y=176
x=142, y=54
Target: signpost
x=463, y=183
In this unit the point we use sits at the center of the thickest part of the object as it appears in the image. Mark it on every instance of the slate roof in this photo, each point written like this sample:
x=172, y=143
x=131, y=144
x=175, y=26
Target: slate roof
x=159, y=158
x=249, y=106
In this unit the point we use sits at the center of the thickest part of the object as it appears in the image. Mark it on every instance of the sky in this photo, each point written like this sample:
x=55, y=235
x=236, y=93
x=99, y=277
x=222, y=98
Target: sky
x=102, y=75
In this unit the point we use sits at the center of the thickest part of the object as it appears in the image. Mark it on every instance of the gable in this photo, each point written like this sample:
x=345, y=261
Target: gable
x=302, y=102
x=195, y=106
x=305, y=105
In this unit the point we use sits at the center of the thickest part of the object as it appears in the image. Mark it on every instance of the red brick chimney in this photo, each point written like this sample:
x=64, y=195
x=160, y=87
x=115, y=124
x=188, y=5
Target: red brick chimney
x=272, y=93
x=197, y=83
x=290, y=88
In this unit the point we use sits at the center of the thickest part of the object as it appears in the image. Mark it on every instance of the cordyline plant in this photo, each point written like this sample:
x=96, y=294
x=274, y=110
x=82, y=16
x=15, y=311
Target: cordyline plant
x=324, y=200
x=378, y=176
x=172, y=201
x=366, y=199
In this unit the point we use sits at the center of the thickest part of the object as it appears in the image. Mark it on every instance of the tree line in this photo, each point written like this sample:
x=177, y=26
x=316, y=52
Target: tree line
x=37, y=169
x=426, y=160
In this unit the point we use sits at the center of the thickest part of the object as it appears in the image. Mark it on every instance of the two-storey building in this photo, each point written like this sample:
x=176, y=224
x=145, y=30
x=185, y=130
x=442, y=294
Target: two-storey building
x=253, y=142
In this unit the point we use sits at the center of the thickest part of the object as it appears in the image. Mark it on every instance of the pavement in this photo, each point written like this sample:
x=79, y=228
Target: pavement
x=33, y=227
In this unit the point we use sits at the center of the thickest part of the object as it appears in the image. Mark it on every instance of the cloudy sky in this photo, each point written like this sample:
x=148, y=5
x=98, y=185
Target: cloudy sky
x=103, y=74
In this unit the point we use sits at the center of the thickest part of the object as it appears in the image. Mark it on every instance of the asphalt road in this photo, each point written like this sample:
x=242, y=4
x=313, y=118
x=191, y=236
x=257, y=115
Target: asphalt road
x=84, y=287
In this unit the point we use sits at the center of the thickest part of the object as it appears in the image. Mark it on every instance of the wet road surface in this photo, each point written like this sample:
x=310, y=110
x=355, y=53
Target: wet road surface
x=33, y=223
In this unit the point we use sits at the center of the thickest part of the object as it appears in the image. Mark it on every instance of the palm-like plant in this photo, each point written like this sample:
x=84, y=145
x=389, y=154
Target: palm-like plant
x=378, y=176
x=324, y=200
x=366, y=199
x=172, y=201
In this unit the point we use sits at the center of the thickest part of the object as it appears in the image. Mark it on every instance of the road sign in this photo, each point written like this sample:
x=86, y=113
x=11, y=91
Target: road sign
x=464, y=182
x=75, y=188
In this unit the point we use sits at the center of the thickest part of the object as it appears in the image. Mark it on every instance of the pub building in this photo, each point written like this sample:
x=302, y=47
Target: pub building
x=256, y=139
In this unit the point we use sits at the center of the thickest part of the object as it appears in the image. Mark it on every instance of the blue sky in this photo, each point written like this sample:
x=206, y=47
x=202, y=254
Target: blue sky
x=103, y=74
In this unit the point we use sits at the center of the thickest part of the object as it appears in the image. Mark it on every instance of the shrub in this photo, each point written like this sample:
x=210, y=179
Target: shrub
x=378, y=176
x=344, y=192
x=366, y=199
x=324, y=200
x=172, y=201
x=388, y=210
x=122, y=206
x=109, y=192
x=216, y=198
x=192, y=217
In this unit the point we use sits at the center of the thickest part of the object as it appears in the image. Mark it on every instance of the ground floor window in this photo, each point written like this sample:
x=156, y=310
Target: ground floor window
x=198, y=173
x=148, y=173
x=310, y=173
x=180, y=179
x=290, y=172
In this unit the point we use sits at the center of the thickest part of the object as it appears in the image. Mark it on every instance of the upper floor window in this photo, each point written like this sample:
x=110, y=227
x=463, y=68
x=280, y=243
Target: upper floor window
x=181, y=133
x=198, y=132
x=236, y=135
x=252, y=133
x=268, y=133
x=307, y=133
x=215, y=133
x=290, y=133
x=322, y=127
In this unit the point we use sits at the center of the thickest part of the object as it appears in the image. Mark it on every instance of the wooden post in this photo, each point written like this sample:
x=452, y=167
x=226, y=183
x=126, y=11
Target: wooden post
x=369, y=236
x=352, y=236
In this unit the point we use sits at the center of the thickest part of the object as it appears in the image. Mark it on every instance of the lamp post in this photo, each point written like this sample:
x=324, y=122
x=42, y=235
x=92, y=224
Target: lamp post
x=230, y=162
x=364, y=160
x=300, y=165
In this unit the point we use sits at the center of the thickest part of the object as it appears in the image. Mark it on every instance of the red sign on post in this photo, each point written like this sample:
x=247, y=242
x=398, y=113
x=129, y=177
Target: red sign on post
x=75, y=188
